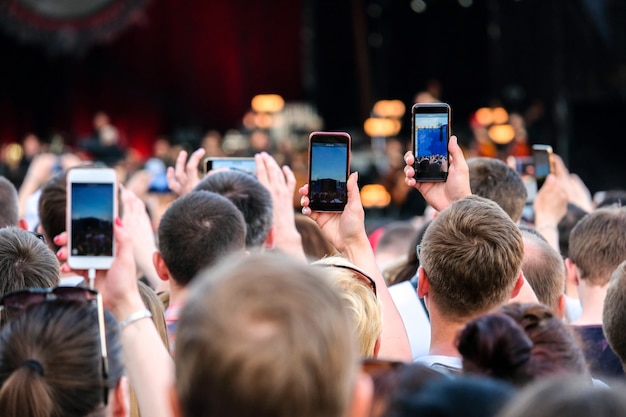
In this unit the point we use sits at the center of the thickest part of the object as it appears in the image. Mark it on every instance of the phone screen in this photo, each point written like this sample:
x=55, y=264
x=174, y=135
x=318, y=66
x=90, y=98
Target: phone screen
x=431, y=131
x=92, y=219
x=243, y=164
x=543, y=164
x=329, y=157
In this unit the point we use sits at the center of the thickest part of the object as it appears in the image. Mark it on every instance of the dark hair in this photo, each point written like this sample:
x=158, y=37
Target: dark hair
x=196, y=231
x=315, y=244
x=520, y=343
x=51, y=363
x=493, y=179
x=614, y=313
x=249, y=196
x=25, y=261
x=565, y=226
x=52, y=207
x=9, y=215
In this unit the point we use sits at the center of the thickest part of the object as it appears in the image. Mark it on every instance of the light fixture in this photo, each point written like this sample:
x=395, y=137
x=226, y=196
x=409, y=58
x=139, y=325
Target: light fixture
x=267, y=103
x=389, y=108
x=381, y=127
x=501, y=134
x=374, y=196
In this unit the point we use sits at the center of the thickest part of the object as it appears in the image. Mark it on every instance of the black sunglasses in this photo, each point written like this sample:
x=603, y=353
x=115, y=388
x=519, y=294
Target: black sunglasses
x=360, y=275
x=21, y=299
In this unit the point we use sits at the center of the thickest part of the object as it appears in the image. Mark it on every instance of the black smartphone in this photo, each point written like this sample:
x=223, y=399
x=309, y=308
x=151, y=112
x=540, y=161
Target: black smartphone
x=329, y=168
x=544, y=163
x=430, y=126
x=246, y=164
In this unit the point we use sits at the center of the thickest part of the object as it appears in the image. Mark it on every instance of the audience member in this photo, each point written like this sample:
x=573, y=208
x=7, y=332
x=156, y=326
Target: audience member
x=520, y=343
x=394, y=243
x=196, y=232
x=614, y=313
x=597, y=247
x=314, y=243
x=9, y=211
x=247, y=332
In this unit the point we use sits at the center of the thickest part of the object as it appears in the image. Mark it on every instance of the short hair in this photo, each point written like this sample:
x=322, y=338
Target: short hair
x=25, y=261
x=520, y=343
x=315, y=244
x=9, y=214
x=543, y=268
x=566, y=224
x=614, y=313
x=196, y=231
x=494, y=179
x=472, y=255
x=396, y=237
x=264, y=336
x=52, y=207
x=362, y=303
x=62, y=338
x=597, y=245
x=249, y=196
x=568, y=397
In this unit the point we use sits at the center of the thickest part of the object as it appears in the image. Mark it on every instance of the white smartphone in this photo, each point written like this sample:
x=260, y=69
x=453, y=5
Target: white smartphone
x=91, y=211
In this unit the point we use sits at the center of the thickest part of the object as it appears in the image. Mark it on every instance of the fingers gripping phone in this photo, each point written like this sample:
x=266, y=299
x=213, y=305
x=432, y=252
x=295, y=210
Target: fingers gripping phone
x=430, y=127
x=544, y=163
x=241, y=163
x=329, y=168
x=91, y=211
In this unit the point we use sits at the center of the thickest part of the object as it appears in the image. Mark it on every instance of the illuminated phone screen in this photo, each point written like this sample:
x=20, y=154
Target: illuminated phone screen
x=431, y=131
x=329, y=159
x=92, y=219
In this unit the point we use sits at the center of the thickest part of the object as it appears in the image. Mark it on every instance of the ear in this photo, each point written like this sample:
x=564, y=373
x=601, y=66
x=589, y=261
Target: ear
x=572, y=272
x=362, y=396
x=561, y=307
x=119, y=399
x=522, y=291
x=159, y=264
x=377, y=347
x=174, y=402
x=423, y=286
x=270, y=239
x=519, y=284
x=22, y=224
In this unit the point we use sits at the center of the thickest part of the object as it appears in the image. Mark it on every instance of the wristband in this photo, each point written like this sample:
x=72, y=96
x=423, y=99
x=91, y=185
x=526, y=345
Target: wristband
x=136, y=316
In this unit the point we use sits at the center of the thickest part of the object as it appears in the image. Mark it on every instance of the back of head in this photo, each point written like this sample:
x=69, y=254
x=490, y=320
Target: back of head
x=520, y=343
x=472, y=255
x=543, y=268
x=568, y=397
x=198, y=230
x=9, y=211
x=264, y=336
x=360, y=300
x=25, y=261
x=493, y=179
x=614, y=313
x=394, y=242
x=315, y=244
x=51, y=362
x=573, y=215
x=597, y=245
x=52, y=207
x=249, y=196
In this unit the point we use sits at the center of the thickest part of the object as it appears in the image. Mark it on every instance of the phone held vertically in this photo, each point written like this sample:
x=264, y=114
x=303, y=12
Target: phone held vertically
x=246, y=164
x=430, y=128
x=544, y=163
x=329, y=168
x=91, y=211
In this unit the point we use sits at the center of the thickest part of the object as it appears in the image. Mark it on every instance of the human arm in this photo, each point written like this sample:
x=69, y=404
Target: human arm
x=441, y=194
x=346, y=231
x=550, y=206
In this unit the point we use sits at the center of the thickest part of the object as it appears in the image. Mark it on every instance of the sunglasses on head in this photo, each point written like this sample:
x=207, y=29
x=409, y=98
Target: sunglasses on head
x=21, y=299
x=358, y=274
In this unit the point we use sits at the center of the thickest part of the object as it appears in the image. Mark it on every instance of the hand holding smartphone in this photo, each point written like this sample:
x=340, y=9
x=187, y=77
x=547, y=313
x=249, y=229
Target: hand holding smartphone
x=91, y=211
x=430, y=127
x=544, y=163
x=329, y=168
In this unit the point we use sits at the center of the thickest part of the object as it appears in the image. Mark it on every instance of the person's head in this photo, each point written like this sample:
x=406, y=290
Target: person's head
x=568, y=397
x=544, y=270
x=520, y=343
x=315, y=244
x=51, y=363
x=597, y=245
x=471, y=257
x=407, y=270
x=359, y=298
x=566, y=224
x=494, y=179
x=9, y=212
x=614, y=313
x=25, y=261
x=52, y=208
x=265, y=335
x=249, y=196
x=195, y=232
x=394, y=242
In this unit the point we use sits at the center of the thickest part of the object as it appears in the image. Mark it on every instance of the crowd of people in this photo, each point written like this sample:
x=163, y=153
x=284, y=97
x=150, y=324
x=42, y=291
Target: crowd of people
x=226, y=298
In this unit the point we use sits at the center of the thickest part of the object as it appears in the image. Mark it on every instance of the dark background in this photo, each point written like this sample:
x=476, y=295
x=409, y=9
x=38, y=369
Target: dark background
x=181, y=68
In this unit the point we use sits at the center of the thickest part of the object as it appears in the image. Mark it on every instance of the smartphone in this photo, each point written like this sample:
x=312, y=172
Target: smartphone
x=329, y=168
x=430, y=126
x=241, y=163
x=544, y=163
x=91, y=211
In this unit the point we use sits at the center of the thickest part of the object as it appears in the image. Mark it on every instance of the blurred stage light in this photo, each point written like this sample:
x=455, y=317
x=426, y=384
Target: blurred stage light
x=381, y=127
x=418, y=6
x=501, y=134
x=484, y=116
x=500, y=115
x=267, y=103
x=389, y=108
x=374, y=195
x=466, y=3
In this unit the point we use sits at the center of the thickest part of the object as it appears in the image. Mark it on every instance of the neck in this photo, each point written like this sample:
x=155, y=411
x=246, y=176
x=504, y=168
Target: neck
x=177, y=292
x=592, y=302
x=443, y=333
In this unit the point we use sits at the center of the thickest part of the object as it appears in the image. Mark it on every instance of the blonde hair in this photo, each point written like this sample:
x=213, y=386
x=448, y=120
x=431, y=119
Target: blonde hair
x=360, y=300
